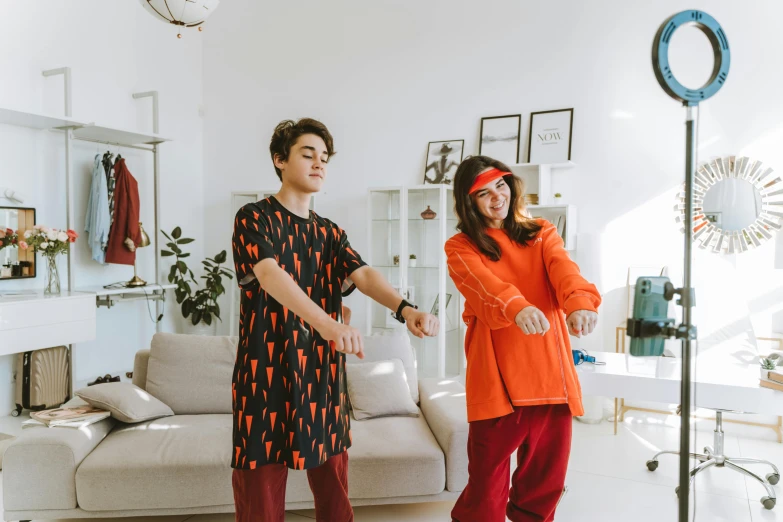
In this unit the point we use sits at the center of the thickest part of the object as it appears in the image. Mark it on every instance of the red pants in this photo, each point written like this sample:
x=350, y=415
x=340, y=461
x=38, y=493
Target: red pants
x=259, y=494
x=541, y=435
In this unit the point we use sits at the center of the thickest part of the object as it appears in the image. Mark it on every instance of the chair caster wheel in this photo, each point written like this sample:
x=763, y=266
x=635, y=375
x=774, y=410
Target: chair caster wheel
x=773, y=478
x=652, y=465
x=16, y=412
x=769, y=503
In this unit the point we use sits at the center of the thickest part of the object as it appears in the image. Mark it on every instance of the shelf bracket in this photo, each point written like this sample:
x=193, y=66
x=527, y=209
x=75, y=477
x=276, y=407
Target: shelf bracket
x=66, y=72
x=110, y=300
x=154, y=96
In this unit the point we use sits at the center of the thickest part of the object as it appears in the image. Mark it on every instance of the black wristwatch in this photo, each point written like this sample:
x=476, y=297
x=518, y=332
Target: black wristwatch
x=403, y=304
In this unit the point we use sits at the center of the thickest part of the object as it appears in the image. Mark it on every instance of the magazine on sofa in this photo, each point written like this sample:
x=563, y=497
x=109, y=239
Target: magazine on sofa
x=67, y=417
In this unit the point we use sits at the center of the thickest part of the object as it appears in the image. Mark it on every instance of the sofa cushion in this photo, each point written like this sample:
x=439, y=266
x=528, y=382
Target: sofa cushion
x=173, y=462
x=184, y=461
x=394, y=457
x=379, y=389
x=396, y=346
x=126, y=402
x=192, y=373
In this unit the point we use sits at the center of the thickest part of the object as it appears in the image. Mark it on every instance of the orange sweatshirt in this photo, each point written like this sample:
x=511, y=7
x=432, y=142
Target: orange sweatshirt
x=507, y=368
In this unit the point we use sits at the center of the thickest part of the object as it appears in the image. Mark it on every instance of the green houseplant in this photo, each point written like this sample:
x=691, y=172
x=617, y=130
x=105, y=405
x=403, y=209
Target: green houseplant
x=197, y=304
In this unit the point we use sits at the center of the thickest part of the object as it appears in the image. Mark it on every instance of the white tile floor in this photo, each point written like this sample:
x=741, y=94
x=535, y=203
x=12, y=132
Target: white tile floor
x=607, y=481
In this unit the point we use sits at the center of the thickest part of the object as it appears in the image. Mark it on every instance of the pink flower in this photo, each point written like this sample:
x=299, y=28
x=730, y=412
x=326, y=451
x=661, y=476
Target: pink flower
x=2, y=234
x=23, y=245
x=72, y=235
x=9, y=232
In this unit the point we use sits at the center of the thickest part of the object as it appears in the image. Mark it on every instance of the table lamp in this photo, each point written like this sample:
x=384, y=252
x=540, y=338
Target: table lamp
x=145, y=241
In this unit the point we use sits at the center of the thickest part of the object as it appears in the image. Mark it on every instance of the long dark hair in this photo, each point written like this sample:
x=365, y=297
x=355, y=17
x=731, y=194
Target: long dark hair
x=519, y=228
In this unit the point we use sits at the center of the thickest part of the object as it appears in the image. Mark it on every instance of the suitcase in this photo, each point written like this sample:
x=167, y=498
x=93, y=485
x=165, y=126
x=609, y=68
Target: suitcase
x=42, y=379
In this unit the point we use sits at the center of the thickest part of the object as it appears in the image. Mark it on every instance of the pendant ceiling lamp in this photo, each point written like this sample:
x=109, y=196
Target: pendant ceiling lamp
x=181, y=13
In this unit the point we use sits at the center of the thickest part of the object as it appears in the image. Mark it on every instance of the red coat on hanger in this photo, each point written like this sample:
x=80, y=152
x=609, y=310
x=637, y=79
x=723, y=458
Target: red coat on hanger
x=126, y=217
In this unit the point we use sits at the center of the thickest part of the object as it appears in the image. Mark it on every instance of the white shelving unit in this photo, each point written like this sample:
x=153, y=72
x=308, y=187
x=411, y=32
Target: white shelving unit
x=396, y=228
x=33, y=120
x=73, y=129
x=538, y=180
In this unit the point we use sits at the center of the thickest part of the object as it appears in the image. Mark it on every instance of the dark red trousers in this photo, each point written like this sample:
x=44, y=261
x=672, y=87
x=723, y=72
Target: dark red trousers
x=259, y=494
x=541, y=435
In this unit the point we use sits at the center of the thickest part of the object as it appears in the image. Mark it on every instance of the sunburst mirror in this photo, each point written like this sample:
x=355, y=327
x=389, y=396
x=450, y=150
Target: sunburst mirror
x=737, y=205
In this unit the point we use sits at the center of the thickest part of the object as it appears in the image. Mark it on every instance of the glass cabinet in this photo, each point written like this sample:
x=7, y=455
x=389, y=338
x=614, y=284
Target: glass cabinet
x=408, y=227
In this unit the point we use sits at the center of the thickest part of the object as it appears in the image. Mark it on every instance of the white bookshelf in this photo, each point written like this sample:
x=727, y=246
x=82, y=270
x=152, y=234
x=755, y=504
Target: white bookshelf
x=538, y=180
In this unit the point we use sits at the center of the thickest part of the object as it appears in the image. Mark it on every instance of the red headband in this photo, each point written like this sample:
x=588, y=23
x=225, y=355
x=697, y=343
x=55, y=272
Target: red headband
x=487, y=177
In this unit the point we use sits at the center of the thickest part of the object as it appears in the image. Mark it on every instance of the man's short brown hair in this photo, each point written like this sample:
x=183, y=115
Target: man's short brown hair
x=288, y=131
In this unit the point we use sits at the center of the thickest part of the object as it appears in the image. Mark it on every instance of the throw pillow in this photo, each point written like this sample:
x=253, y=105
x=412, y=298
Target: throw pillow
x=127, y=402
x=379, y=389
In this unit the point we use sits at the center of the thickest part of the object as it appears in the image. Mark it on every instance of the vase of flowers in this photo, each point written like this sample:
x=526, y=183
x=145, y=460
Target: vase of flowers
x=50, y=242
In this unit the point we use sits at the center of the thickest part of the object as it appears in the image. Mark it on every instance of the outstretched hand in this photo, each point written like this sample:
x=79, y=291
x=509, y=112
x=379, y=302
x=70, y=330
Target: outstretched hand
x=582, y=322
x=344, y=338
x=422, y=324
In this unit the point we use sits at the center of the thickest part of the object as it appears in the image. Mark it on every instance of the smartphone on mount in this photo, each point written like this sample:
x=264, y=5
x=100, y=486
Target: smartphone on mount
x=650, y=305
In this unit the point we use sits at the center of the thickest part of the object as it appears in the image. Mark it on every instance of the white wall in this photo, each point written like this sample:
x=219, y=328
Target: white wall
x=387, y=77
x=114, y=49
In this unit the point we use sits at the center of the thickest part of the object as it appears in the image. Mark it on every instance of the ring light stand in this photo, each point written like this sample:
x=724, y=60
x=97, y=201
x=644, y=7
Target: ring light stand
x=690, y=98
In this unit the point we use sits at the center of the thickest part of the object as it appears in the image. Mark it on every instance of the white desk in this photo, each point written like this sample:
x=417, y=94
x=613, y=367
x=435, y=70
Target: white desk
x=33, y=321
x=718, y=383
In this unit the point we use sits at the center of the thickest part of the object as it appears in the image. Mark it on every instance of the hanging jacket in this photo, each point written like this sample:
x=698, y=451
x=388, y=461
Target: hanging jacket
x=97, y=222
x=126, y=217
x=507, y=368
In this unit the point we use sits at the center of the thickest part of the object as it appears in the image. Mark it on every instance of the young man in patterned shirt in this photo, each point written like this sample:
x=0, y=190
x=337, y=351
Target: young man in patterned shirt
x=289, y=386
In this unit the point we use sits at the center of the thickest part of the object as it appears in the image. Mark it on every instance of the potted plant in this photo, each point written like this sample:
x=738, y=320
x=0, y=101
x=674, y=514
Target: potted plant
x=50, y=242
x=412, y=260
x=767, y=365
x=198, y=305
x=558, y=198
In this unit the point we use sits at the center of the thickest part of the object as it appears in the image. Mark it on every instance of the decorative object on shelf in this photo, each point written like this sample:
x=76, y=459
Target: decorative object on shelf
x=531, y=199
x=435, y=306
x=428, y=214
x=396, y=260
x=558, y=198
x=412, y=260
x=500, y=137
x=767, y=365
x=50, y=242
x=201, y=305
x=561, y=226
x=443, y=158
x=550, y=136
x=736, y=205
x=145, y=242
x=181, y=13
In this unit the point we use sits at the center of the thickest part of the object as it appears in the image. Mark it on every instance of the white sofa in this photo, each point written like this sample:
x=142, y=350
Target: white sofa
x=181, y=464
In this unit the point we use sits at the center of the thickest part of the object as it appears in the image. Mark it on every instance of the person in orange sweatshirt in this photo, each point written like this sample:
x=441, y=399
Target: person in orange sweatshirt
x=523, y=296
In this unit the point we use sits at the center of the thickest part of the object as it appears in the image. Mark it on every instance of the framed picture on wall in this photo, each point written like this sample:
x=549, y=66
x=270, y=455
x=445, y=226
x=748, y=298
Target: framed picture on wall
x=550, y=136
x=443, y=158
x=500, y=138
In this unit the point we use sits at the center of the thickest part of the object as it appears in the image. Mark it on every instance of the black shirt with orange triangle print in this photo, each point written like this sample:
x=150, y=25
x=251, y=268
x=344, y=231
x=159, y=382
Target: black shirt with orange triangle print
x=289, y=390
